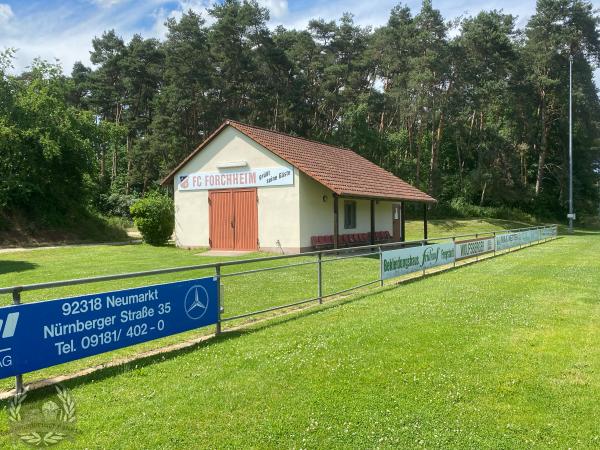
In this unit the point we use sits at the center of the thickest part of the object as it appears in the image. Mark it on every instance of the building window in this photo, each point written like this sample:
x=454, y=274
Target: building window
x=349, y=215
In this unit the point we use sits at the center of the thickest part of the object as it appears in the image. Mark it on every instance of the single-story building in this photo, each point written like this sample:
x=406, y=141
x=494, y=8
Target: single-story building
x=249, y=188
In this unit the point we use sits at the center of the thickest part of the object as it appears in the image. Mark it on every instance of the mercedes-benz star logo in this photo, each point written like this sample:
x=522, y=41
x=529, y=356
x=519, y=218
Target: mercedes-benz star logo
x=196, y=302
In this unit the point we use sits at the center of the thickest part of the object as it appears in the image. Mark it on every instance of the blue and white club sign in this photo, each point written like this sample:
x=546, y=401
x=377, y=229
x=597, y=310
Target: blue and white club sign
x=43, y=334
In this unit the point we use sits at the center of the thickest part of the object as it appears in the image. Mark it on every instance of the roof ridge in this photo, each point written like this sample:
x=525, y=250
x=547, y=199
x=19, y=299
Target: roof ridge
x=287, y=135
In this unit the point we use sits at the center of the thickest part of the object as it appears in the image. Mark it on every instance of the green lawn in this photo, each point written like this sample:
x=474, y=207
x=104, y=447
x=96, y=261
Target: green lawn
x=499, y=354
x=241, y=294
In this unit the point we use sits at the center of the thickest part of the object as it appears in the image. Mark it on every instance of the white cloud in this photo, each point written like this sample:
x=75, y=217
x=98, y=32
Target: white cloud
x=106, y=3
x=278, y=8
x=365, y=14
x=161, y=14
x=6, y=13
x=66, y=30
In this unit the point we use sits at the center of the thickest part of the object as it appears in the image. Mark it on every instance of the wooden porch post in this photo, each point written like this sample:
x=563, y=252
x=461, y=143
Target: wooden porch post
x=402, y=220
x=425, y=221
x=372, y=221
x=336, y=221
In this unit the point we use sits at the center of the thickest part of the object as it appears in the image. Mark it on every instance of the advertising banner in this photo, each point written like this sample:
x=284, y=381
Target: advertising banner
x=43, y=334
x=407, y=260
x=507, y=240
x=274, y=176
x=473, y=247
x=530, y=236
x=548, y=232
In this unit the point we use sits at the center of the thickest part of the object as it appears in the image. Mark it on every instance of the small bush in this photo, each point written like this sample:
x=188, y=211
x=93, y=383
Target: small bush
x=154, y=217
x=115, y=204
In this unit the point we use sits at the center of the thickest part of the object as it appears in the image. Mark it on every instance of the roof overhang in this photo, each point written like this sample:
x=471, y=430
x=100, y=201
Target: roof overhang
x=424, y=197
x=383, y=197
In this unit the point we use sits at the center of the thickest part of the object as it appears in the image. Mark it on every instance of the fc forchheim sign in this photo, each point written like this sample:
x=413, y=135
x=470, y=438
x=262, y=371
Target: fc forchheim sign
x=274, y=176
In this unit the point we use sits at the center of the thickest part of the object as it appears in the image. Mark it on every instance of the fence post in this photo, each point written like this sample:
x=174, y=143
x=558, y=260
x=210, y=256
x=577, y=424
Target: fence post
x=454, y=243
x=320, y=277
x=423, y=245
x=218, y=277
x=16, y=295
x=520, y=242
x=494, y=243
x=380, y=266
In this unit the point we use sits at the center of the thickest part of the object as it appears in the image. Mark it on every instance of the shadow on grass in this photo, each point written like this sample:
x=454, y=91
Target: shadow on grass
x=582, y=233
x=452, y=224
x=445, y=224
x=16, y=266
x=43, y=393
x=507, y=224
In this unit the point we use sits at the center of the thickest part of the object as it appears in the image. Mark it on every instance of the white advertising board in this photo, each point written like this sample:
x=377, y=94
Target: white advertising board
x=508, y=240
x=407, y=260
x=473, y=247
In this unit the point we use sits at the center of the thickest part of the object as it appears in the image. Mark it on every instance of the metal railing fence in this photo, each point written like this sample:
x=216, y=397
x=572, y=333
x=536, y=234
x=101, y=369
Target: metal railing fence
x=320, y=259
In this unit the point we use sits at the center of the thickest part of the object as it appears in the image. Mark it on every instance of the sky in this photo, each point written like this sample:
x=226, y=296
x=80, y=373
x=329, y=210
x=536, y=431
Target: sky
x=63, y=30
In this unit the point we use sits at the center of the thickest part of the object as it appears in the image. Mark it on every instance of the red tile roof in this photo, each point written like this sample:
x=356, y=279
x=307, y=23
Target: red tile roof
x=339, y=169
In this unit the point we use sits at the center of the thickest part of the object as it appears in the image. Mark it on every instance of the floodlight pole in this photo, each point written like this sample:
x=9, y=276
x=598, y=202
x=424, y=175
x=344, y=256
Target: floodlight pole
x=570, y=143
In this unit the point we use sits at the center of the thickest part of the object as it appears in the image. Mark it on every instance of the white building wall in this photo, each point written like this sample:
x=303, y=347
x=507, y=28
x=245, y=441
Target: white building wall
x=278, y=206
x=278, y=217
x=383, y=216
x=287, y=215
x=316, y=215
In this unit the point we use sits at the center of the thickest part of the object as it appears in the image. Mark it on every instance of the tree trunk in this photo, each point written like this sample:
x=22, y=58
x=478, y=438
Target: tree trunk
x=113, y=174
x=409, y=125
x=418, y=171
x=276, y=112
x=435, y=147
x=483, y=194
x=102, y=165
x=460, y=165
x=543, y=147
x=116, y=146
x=128, y=164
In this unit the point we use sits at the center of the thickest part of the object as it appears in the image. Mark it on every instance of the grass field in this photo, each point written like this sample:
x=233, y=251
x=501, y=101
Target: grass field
x=498, y=354
x=241, y=294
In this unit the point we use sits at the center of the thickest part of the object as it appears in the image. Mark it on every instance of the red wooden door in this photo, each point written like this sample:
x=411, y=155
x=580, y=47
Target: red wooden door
x=221, y=220
x=233, y=219
x=245, y=219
